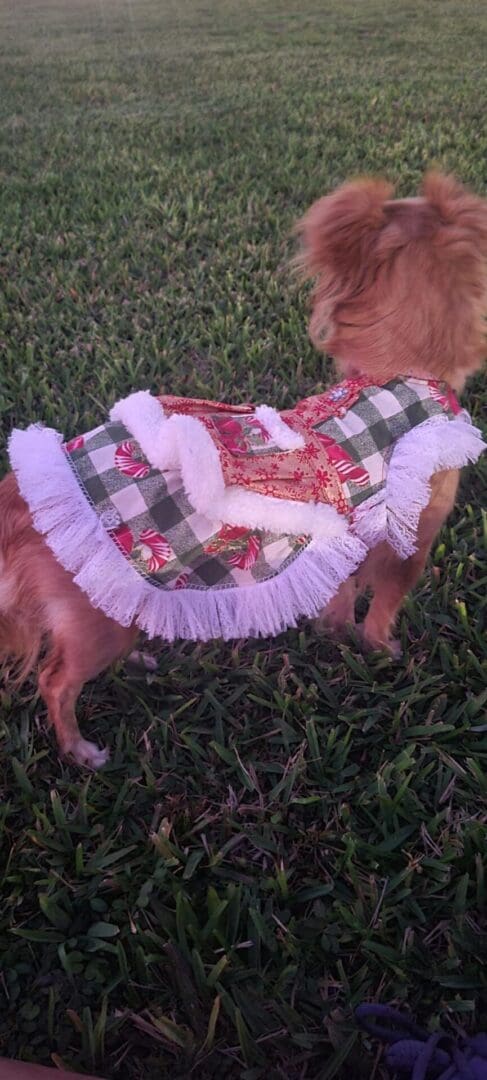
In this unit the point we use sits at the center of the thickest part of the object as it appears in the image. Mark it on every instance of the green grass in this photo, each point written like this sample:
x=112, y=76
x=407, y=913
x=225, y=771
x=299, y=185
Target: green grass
x=284, y=828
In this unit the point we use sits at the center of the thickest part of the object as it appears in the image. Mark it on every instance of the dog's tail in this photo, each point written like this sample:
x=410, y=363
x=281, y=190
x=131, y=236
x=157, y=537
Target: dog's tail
x=20, y=649
x=21, y=621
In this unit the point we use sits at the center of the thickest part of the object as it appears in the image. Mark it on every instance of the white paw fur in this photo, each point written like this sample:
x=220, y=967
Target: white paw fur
x=87, y=753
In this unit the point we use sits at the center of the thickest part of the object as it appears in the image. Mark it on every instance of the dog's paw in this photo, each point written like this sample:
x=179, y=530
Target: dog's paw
x=393, y=647
x=87, y=753
x=388, y=645
x=138, y=658
x=332, y=626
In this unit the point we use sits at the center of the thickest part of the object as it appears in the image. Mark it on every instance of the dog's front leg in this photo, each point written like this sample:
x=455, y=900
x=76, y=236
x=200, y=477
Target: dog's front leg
x=391, y=578
x=340, y=612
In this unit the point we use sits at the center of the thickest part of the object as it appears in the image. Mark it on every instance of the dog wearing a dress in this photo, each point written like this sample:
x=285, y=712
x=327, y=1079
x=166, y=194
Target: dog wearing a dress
x=399, y=299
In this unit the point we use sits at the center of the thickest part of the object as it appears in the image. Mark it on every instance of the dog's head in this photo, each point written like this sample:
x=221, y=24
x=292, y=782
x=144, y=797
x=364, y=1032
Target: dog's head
x=400, y=284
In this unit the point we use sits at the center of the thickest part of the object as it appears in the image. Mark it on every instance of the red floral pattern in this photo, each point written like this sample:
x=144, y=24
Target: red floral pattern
x=123, y=537
x=75, y=444
x=445, y=396
x=231, y=435
x=334, y=402
x=245, y=559
x=127, y=461
x=316, y=472
x=200, y=406
x=239, y=546
x=181, y=581
x=239, y=436
x=305, y=475
x=345, y=466
x=154, y=550
x=319, y=471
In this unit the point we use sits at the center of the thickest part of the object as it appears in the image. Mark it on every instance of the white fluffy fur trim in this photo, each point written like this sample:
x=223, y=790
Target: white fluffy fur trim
x=143, y=415
x=283, y=436
x=183, y=443
x=71, y=528
x=240, y=507
x=393, y=514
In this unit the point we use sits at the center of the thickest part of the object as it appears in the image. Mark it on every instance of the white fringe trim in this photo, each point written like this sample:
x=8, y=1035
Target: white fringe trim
x=183, y=443
x=71, y=528
x=281, y=434
x=393, y=514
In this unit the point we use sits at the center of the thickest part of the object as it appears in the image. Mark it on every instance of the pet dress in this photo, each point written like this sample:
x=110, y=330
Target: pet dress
x=197, y=519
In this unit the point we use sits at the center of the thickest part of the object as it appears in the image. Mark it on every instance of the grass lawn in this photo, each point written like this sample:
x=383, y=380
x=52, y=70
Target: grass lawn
x=284, y=829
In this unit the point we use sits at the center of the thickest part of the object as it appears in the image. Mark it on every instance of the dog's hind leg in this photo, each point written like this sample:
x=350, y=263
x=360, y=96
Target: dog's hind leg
x=41, y=607
x=83, y=643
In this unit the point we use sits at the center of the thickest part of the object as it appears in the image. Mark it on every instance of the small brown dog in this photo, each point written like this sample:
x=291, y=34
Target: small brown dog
x=400, y=293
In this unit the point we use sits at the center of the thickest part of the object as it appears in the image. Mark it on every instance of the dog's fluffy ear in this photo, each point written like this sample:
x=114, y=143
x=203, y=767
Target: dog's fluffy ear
x=338, y=232
x=458, y=206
